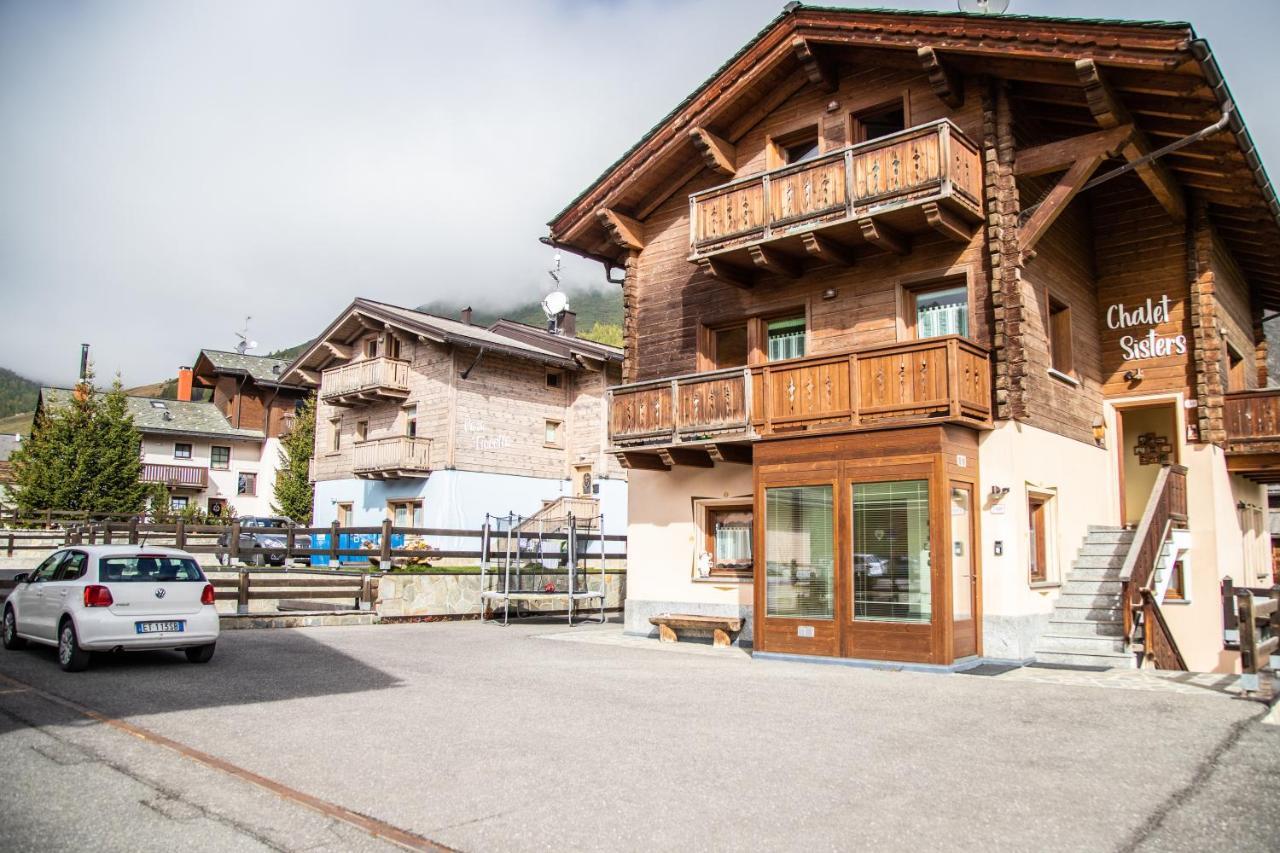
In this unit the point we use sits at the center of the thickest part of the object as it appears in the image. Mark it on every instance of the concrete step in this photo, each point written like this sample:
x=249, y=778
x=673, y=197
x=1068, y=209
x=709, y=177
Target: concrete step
x=1110, y=535
x=1075, y=586
x=1050, y=642
x=1122, y=661
x=1094, y=574
x=1102, y=549
x=1074, y=607
x=1099, y=561
x=1084, y=627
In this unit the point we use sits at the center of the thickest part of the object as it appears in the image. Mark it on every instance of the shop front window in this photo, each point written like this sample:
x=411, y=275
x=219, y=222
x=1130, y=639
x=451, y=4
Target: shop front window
x=891, y=566
x=799, y=552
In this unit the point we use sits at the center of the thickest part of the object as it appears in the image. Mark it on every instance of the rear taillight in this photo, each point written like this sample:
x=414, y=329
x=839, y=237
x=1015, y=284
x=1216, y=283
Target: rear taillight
x=97, y=596
x=206, y=594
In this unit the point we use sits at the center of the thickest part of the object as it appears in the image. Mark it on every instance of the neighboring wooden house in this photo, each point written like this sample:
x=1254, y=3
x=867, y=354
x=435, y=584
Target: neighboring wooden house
x=248, y=389
x=431, y=421
x=191, y=449
x=890, y=360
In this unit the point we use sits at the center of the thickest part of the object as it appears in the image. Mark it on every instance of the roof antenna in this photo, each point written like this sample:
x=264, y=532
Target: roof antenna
x=556, y=302
x=245, y=344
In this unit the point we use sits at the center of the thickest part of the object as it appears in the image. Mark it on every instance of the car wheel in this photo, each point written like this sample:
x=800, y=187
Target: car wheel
x=200, y=654
x=10, y=630
x=70, y=655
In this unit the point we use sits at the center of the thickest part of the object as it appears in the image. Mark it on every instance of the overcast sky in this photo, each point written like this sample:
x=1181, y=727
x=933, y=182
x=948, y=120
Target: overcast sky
x=167, y=166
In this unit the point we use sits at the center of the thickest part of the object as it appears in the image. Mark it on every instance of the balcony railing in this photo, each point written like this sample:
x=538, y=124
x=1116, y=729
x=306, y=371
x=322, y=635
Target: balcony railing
x=946, y=379
x=923, y=177
x=365, y=381
x=175, y=476
x=392, y=458
x=1252, y=420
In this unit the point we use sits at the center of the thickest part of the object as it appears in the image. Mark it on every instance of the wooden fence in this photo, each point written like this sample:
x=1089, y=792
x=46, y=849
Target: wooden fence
x=385, y=544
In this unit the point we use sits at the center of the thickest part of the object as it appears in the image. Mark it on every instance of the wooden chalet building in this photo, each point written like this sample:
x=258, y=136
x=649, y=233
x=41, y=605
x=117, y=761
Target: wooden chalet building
x=434, y=422
x=913, y=372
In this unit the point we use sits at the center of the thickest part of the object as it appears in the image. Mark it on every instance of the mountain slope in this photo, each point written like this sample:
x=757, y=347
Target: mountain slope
x=17, y=393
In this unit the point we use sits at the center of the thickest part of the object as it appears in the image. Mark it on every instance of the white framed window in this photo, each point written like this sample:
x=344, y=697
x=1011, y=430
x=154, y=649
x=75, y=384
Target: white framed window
x=553, y=435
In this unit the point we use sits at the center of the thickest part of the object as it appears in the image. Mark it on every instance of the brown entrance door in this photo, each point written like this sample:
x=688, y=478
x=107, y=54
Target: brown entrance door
x=964, y=588
x=1147, y=439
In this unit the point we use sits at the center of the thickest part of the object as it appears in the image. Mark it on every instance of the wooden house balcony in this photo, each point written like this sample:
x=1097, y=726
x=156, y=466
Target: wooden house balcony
x=1251, y=420
x=369, y=380
x=393, y=458
x=192, y=477
x=701, y=418
x=875, y=193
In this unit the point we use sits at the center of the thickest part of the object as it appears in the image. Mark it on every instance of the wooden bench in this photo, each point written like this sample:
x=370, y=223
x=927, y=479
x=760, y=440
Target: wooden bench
x=721, y=626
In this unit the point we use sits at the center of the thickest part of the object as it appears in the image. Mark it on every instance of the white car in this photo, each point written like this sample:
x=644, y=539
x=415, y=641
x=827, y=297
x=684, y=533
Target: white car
x=113, y=598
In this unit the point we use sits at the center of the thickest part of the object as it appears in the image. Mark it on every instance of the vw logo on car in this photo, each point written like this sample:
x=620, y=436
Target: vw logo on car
x=159, y=592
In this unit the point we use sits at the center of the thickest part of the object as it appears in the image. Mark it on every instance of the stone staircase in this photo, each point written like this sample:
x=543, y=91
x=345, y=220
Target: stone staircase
x=1087, y=625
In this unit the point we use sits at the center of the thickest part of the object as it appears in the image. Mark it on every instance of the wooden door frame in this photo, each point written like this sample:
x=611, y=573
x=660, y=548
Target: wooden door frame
x=1172, y=401
x=975, y=562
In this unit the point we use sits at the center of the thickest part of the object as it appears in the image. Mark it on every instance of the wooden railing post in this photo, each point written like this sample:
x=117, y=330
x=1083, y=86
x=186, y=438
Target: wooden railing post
x=9, y=549
x=133, y=530
x=242, y=591
x=675, y=411
x=384, y=550
x=334, y=560
x=233, y=543
x=288, y=546
x=1248, y=642
x=180, y=535
x=953, y=376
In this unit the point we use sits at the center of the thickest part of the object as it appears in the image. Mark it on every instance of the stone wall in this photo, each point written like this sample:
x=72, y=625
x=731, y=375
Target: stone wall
x=406, y=595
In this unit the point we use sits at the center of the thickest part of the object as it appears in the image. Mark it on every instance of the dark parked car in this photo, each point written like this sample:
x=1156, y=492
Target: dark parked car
x=264, y=532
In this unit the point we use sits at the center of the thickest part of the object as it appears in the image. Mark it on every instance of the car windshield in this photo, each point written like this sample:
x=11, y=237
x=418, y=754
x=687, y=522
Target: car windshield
x=266, y=522
x=146, y=568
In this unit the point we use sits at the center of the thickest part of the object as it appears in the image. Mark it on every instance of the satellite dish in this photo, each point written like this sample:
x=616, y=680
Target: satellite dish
x=245, y=344
x=555, y=304
x=984, y=7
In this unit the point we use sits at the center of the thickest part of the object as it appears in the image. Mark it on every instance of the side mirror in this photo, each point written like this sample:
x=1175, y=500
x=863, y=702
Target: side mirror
x=21, y=577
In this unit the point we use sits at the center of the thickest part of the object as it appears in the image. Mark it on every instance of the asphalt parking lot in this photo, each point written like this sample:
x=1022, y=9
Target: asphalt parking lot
x=476, y=737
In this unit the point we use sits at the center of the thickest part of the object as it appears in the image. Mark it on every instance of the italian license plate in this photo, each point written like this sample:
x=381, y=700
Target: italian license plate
x=160, y=627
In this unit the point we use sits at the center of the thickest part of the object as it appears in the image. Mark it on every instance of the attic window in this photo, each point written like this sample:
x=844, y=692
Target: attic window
x=879, y=121
x=553, y=378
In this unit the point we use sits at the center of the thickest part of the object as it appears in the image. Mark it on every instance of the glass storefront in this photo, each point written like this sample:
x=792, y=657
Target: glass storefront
x=799, y=552
x=891, y=566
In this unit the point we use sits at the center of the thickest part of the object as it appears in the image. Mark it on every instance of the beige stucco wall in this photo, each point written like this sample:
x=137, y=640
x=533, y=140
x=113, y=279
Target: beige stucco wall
x=1077, y=477
x=663, y=540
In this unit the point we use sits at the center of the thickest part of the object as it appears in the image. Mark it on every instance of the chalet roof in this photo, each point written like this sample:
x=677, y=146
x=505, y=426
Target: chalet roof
x=155, y=416
x=1164, y=75
x=562, y=344
x=365, y=313
x=262, y=369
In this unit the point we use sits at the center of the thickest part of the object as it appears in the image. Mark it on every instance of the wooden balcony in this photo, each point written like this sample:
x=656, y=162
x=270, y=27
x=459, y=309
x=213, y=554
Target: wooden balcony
x=701, y=418
x=393, y=458
x=369, y=380
x=874, y=194
x=175, y=476
x=1252, y=423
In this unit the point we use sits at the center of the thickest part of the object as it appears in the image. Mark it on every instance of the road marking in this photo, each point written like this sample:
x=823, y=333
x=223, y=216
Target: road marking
x=373, y=826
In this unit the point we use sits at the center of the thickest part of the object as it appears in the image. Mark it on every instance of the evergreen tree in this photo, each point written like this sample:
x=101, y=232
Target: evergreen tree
x=83, y=454
x=293, y=490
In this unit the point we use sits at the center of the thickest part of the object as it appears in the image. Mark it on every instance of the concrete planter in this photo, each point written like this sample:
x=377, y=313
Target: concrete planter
x=459, y=595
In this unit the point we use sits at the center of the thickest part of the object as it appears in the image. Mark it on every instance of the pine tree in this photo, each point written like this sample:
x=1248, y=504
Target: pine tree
x=83, y=454
x=293, y=490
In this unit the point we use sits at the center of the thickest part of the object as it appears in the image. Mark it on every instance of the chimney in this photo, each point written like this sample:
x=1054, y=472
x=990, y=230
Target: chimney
x=184, y=384
x=568, y=324
x=466, y=315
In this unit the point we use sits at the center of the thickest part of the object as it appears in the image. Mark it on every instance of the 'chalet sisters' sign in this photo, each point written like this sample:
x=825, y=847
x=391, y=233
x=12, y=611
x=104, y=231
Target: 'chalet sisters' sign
x=1151, y=345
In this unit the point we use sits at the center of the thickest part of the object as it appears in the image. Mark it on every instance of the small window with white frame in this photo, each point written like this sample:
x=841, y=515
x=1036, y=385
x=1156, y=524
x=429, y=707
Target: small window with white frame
x=726, y=530
x=1042, y=537
x=553, y=435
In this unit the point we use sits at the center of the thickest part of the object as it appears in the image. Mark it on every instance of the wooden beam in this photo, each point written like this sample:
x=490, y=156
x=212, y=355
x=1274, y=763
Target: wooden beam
x=947, y=223
x=827, y=250
x=719, y=155
x=686, y=456
x=1057, y=200
x=1056, y=156
x=720, y=271
x=342, y=351
x=773, y=261
x=883, y=237
x=623, y=230
x=946, y=84
x=820, y=72
x=642, y=461
x=308, y=376
x=771, y=101
x=1108, y=111
x=735, y=453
